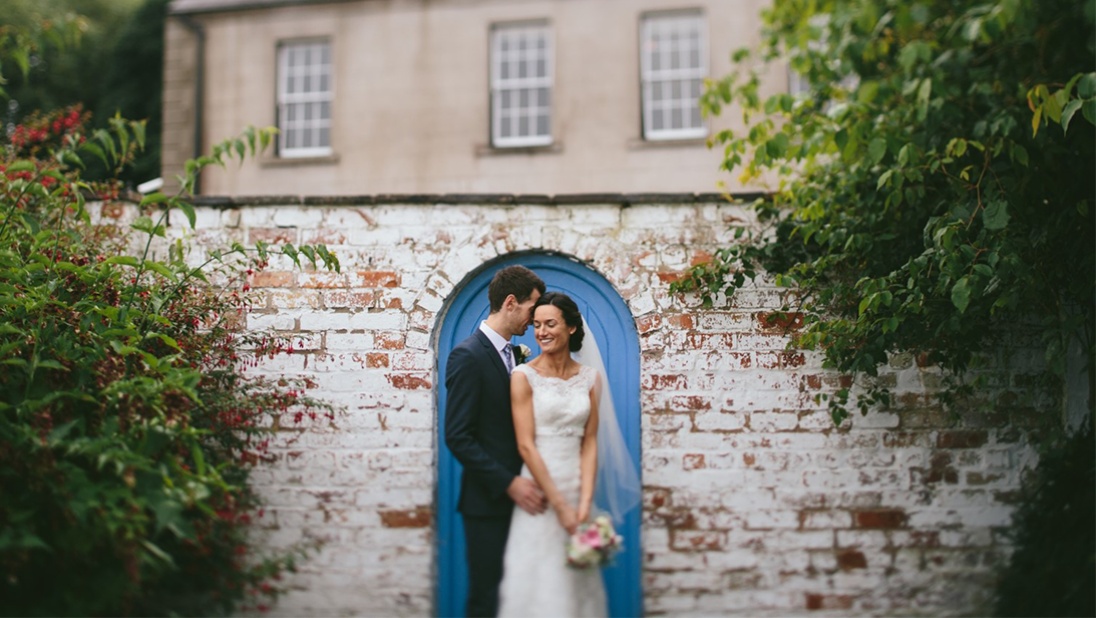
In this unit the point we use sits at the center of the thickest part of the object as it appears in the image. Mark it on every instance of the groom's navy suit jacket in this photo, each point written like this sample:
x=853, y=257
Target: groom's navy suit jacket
x=479, y=427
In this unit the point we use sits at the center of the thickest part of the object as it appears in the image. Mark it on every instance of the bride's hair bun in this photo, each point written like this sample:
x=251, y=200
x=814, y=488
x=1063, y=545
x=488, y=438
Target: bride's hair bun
x=571, y=315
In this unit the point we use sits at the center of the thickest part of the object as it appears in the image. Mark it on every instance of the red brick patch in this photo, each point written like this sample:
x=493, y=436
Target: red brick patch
x=683, y=321
x=960, y=439
x=829, y=601
x=415, y=518
x=690, y=402
x=408, y=382
x=664, y=382
x=669, y=277
x=693, y=461
x=377, y=278
x=376, y=359
x=388, y=341
x=777, y=322
x=881, y=518
x=649, y=322
x=271, y=279
x=851, y=559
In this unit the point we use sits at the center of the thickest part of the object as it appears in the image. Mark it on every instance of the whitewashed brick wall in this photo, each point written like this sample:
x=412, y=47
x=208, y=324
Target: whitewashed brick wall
x=754, y=502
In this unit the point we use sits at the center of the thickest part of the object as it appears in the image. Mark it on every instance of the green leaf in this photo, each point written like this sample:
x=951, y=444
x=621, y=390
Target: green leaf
x=156, y=551
x=167, y=340
x=1086, y=86
x=995, y=215
x=95, y=150
x=159, y=268
x=1035, y=121
x=143, y=224
x=876, y=149
x=1067, y=113
x=22, y=165
x=124, y=260
x=188, y=210
x=153, y=198
x=1088, y=110
x=960, y=294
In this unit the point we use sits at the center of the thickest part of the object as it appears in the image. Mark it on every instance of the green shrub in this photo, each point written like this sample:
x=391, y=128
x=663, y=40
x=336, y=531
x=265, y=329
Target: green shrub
x=128, y=422
x=1053, y=569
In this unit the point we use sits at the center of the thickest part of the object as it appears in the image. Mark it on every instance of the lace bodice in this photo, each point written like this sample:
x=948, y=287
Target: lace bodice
x=560, y=407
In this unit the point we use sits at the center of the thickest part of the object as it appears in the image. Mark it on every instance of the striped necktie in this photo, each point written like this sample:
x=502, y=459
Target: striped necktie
x=507, y=355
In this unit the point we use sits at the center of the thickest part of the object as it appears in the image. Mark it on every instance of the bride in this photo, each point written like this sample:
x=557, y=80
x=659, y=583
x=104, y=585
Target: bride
x=562, y=417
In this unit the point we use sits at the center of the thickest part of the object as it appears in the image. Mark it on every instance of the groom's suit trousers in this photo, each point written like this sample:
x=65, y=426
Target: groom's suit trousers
x=486, y=543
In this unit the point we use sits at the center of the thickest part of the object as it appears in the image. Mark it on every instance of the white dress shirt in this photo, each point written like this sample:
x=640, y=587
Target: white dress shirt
x=499, y=342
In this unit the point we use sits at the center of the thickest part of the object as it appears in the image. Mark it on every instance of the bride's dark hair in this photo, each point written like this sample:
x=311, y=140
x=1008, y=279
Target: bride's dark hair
x=571, y=315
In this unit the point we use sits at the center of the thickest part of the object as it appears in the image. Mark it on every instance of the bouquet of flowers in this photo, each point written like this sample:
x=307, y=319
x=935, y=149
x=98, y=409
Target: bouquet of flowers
x=593, y=544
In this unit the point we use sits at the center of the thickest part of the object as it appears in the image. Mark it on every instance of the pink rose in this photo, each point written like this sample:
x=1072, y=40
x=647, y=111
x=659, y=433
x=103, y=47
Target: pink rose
x=592, y=537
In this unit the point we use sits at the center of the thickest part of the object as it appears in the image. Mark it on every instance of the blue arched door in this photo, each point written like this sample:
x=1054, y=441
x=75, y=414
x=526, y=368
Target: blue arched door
x=612, y=325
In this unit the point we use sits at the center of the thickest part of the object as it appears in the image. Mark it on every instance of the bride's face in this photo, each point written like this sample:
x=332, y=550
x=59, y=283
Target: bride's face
x=551, y=330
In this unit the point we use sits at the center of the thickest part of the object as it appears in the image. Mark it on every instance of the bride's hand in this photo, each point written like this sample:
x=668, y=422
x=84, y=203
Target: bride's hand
x=568, y=518
x=583, y=513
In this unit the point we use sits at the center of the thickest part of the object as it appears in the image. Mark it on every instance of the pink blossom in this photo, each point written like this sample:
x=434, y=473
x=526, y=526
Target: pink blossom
x=592, y=537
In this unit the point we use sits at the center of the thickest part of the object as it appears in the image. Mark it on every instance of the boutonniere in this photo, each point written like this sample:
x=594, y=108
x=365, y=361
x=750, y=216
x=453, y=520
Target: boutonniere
x=521, y=353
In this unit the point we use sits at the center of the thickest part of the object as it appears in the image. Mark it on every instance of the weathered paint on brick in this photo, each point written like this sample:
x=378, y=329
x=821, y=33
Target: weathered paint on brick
x=753, y=501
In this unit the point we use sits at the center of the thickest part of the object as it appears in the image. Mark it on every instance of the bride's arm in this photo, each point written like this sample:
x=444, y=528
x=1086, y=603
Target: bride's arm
x=589, y=455
x=521, y=403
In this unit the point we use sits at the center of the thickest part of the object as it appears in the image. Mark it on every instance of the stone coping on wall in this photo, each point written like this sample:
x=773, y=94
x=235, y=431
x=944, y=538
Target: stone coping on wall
x=493, y=199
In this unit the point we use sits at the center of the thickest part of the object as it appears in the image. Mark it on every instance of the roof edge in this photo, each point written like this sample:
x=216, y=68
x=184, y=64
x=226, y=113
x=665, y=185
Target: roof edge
x=474, y=199
x=202, y=7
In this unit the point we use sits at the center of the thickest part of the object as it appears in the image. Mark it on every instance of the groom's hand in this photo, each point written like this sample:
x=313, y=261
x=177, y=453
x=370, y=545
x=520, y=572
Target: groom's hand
x=527, y=495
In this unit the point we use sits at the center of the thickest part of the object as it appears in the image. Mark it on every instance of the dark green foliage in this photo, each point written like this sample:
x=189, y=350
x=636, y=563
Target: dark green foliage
x=128, y=426
x=1053, y=569
x=924, y=204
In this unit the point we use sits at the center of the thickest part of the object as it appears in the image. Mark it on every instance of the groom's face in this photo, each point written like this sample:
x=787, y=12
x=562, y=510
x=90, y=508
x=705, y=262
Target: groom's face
x=523, y=314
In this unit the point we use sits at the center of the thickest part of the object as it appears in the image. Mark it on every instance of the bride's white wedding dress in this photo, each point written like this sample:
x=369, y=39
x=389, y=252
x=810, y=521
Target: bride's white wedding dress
x=536, y=580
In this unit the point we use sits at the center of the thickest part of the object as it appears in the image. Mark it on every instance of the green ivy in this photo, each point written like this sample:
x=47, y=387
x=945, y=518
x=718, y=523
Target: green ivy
x=918, y=206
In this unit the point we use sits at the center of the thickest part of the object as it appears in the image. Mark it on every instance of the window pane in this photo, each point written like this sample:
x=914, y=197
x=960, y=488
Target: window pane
x=324, y=83
x=504, y=129
x=542, y=124
x=325, y=137
x=325, y=54
x=306, y=138
x=656, y=60
x=523, y=95
x=675, y=118
x=542, y=97
x=694, y=89
x=308, y=108
x=656, y=119
x=506, y=102
x=291, y=139
x=307, y=84
x=542, y=67
x=694, y=117
x=325, y=110
x=676, y=87
x=523, y=125
x=523, y=68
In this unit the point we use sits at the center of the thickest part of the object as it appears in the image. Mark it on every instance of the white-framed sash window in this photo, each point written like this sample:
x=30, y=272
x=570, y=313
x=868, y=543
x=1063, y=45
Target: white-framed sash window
x=521, y=84
x=673, y=65
x=304, y=98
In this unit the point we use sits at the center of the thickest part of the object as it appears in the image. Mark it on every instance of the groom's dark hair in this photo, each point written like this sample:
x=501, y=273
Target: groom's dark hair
x=516, y=280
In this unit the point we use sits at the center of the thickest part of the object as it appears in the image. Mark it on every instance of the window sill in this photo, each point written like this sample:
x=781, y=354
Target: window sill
x=487, y=150
x=330, y=159
x=647, y=144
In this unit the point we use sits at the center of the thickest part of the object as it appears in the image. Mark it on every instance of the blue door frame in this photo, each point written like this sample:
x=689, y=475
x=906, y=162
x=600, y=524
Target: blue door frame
x=612, y=325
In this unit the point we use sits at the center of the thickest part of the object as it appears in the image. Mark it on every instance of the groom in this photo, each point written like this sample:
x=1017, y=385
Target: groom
x=479, y=430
